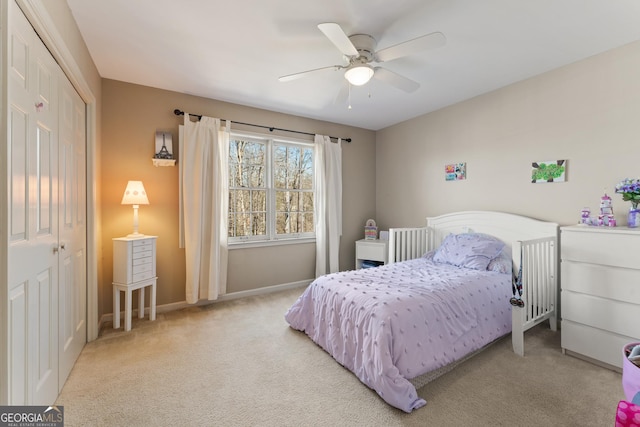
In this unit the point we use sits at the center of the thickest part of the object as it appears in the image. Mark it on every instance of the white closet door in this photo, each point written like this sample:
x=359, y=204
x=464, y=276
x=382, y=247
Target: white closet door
x=72, y=220
x=47, y=220
x=33, y=222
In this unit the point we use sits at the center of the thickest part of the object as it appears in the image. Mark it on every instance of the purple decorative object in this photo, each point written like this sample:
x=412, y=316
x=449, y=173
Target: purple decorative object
x=630, y=190
x=633, y=220
x=630, y=373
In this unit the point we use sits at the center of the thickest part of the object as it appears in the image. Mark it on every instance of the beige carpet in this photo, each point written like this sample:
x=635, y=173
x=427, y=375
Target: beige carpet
x=237, y=363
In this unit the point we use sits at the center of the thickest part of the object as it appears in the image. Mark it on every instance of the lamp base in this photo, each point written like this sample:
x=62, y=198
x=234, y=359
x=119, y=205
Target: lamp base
x=135, y=235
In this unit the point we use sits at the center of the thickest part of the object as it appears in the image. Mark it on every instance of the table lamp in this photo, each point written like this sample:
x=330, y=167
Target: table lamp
x=135, y=195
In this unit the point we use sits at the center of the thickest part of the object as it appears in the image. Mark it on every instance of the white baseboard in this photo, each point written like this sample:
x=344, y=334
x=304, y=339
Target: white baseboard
x=165, y=308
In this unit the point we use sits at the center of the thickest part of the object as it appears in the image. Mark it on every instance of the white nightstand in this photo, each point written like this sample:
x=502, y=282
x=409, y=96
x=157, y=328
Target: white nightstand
x=371, y=250
x=134, y=267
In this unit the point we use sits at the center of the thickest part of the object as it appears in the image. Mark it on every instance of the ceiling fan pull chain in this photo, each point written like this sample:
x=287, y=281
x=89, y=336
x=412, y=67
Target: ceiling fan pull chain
x=349, y=96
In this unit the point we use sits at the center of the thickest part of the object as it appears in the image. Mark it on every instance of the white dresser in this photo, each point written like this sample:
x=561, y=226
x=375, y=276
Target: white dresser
x=134, y=267
x=600, y=282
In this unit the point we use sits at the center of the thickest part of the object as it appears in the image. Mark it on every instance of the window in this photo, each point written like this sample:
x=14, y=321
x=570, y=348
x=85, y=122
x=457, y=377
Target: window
x=271, y=189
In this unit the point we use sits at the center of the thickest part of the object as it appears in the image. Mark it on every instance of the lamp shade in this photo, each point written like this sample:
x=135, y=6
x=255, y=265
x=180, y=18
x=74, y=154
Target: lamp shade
x=134, y=194
x=359, y=74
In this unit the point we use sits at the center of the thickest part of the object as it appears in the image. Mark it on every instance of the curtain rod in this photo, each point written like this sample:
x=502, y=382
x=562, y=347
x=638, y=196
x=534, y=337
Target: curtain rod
x=271, y=128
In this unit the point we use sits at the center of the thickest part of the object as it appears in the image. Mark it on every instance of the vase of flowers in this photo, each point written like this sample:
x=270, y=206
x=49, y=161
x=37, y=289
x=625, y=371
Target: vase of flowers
x=630, y=190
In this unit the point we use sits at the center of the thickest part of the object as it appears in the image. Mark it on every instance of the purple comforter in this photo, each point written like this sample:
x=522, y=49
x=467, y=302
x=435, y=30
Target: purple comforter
x=396, y=322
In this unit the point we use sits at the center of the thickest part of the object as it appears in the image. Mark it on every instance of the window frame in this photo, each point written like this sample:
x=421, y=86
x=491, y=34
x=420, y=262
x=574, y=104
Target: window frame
x=271, y=237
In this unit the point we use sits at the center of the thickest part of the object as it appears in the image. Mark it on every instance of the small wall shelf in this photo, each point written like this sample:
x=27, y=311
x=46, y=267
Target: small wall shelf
x=164, y=162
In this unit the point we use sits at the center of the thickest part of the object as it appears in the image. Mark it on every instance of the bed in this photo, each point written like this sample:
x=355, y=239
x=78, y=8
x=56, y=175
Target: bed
x=443, y=296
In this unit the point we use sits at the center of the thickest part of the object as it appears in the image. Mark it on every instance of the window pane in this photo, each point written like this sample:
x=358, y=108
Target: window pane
x=259, y=224
x=280, y=200
x=232, y=195
x=307, y=201
x=287, y=223
x=293, y=167
x=246, y=163
x=306, y=181
x=256, y=176
x=231, y=226
x=288, y=201
x=233, y=175
x=259, y=201
x=243, y=225
x=279, y=167
x=294, y=197
x=308, y=225
x=242, y=201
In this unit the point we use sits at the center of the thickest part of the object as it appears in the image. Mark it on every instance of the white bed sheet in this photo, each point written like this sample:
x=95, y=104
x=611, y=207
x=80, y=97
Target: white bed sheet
x=396, y=322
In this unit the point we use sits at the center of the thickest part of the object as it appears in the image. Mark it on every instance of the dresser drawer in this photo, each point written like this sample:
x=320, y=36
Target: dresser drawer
x=594, y=343
x=142, y=276
x=141, y=268
x=140, y=261
x=601, y=313
x=146, y=253
x=374, y=250
x=142, y=243
x=615, y=283
x=620, y=248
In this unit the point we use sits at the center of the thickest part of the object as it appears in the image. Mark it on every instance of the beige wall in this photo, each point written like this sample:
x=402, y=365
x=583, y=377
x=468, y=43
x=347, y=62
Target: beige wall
x=131, y=114
x=587, y=113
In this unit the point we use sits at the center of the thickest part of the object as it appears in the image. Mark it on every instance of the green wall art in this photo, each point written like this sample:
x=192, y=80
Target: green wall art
x=548, y=171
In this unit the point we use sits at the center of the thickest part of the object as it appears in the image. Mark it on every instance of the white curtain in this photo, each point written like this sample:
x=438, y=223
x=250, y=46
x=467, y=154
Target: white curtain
x=204, y=181
x=328, y=170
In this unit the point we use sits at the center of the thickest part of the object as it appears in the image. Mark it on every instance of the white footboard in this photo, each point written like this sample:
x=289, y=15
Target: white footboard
x=407, y=243
x=539, y=287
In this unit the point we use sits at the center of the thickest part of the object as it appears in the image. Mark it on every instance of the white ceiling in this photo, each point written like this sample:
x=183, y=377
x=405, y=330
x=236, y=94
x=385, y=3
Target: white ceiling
x=235, y=50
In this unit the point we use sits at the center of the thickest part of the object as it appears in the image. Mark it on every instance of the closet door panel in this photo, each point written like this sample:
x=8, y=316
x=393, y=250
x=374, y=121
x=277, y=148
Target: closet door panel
x=18, y=174
x=73, y=283
x=45, y=167
x=18, y=344
x=33, y=246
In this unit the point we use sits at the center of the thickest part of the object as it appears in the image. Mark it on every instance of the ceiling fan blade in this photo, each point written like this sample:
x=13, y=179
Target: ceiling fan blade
x=428, y=41
x=338, y=37
x=296, y=76
x=396, y=80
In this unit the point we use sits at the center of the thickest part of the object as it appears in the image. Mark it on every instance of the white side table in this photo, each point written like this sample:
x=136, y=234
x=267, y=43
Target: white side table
x=134, y=268
x=371, y=250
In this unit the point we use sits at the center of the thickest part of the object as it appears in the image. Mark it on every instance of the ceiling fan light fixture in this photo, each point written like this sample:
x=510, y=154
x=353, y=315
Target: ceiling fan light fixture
x=359, y=74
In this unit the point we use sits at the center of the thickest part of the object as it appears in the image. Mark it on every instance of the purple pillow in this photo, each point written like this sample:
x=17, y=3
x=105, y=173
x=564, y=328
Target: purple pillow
x=468, y=250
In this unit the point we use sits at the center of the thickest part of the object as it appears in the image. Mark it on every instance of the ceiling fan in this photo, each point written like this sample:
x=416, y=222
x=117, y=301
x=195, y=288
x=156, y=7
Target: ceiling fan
x=361, y=57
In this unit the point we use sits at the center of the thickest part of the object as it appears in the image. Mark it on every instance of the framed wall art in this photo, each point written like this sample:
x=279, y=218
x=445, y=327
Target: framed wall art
x=455, y=171
x=552, y=171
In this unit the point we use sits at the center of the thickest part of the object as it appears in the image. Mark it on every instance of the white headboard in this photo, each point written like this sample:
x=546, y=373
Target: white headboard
x=507, y=227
